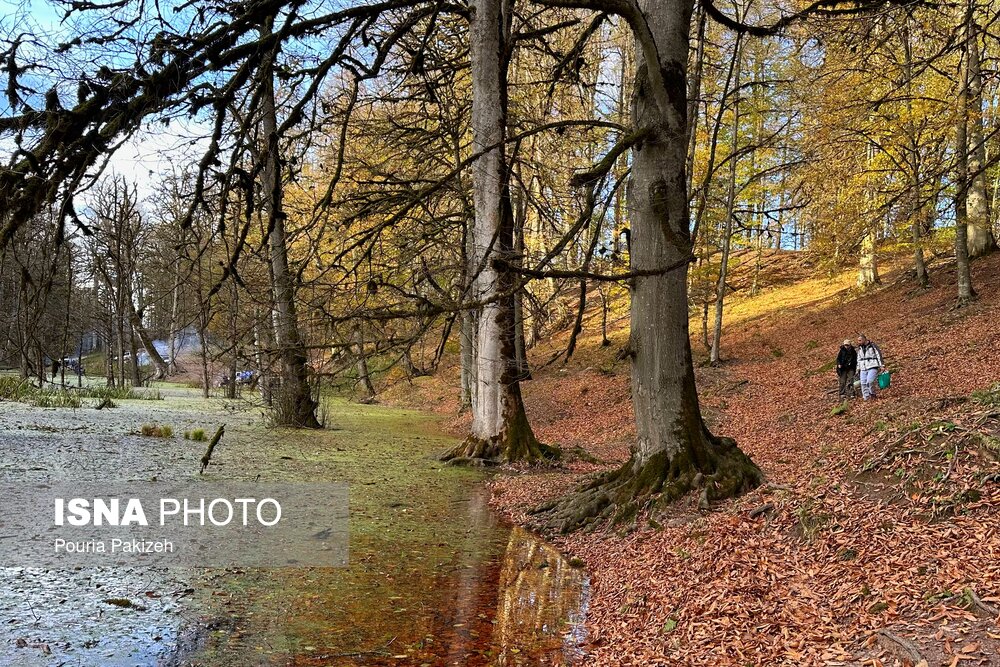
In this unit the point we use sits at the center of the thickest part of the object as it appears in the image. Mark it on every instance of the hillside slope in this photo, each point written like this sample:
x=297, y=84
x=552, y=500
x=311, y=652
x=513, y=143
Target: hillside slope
x=876, y=537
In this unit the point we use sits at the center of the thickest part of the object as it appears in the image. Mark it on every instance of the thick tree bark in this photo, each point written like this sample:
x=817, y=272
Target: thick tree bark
x=500, y=430
x=675, y=453
x=297, y=407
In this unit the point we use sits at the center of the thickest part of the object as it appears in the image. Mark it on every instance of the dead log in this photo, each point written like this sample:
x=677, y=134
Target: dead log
x=211, y=447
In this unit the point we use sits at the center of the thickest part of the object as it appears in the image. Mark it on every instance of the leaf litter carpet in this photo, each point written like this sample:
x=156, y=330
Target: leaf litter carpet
x=875, y=540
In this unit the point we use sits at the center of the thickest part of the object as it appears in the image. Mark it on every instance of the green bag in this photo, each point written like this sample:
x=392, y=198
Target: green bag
x=884, y=380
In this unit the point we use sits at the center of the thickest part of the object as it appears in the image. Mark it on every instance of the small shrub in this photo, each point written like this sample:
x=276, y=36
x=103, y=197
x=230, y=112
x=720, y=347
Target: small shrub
x=988, y=397
x=16, y=389
x=810, y=522
x=119, y=393
x=156, y=430
x=187, y=435
x=55, y=399
x=20, y=389
x=198, y=435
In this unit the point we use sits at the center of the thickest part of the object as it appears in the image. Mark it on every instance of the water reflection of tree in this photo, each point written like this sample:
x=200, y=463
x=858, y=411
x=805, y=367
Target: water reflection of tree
x=542, y=603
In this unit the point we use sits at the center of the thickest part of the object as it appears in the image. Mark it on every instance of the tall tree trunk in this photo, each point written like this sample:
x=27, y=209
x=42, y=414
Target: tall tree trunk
x=203, y=319
x=500, y=429
x=868, y=263
x=261, y=338
x=133, y=351
x=361, y=364
x=674, y=452
x=964, y=278
x=66, y=323
x=466, y=341
x=175, y=306
x=467, y=326
x=727, y=233
x=916, y=204
x=602, y=289
x=109, y=359
x=980, y=231
x=120, y=335
x=296, y=404
x=140, y=330
x=694, y=90
x=520, y=347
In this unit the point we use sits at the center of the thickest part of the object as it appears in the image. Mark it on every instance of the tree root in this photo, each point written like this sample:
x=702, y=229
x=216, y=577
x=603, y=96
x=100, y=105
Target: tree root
x=902, y=648
x=620, y=495
x=476, y=462
x=976, y=604
x=512, y=446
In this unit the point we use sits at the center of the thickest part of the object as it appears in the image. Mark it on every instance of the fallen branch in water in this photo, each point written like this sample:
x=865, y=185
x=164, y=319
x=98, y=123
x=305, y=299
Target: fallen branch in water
x=211, y=446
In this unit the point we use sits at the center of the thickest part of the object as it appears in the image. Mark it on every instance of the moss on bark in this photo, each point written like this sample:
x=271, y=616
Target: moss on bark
x=516, y=443
x=714, y=466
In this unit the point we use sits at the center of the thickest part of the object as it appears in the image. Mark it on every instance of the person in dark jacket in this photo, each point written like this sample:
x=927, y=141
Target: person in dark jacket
x=847, y=367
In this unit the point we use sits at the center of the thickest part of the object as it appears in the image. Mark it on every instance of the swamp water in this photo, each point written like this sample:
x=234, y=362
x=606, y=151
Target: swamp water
x=434, y=577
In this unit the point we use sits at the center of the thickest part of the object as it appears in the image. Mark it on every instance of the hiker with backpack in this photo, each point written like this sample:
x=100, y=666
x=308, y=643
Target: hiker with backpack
x=869, y=365
x=847, y=368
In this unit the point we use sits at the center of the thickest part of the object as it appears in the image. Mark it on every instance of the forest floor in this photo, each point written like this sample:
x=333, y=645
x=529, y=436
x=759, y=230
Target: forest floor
x=875, y=540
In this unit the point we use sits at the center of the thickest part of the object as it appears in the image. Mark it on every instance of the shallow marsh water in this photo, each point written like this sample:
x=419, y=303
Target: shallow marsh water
x=434, y=578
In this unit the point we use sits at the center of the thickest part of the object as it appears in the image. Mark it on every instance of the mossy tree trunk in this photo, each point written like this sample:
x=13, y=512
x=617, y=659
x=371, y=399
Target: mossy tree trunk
x=674, y=453
x=500, y=431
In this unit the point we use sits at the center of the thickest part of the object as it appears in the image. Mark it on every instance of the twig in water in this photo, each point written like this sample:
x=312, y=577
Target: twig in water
x=211, y=446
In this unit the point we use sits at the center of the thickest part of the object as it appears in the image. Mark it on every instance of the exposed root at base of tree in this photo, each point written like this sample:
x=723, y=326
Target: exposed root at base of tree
x=515, y=444
x=902, y=648
x=964, y=302
x=493, y=451
x=620, y=495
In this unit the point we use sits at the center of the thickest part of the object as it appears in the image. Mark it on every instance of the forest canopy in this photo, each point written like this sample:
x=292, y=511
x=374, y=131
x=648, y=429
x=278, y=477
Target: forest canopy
x=366, y=186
